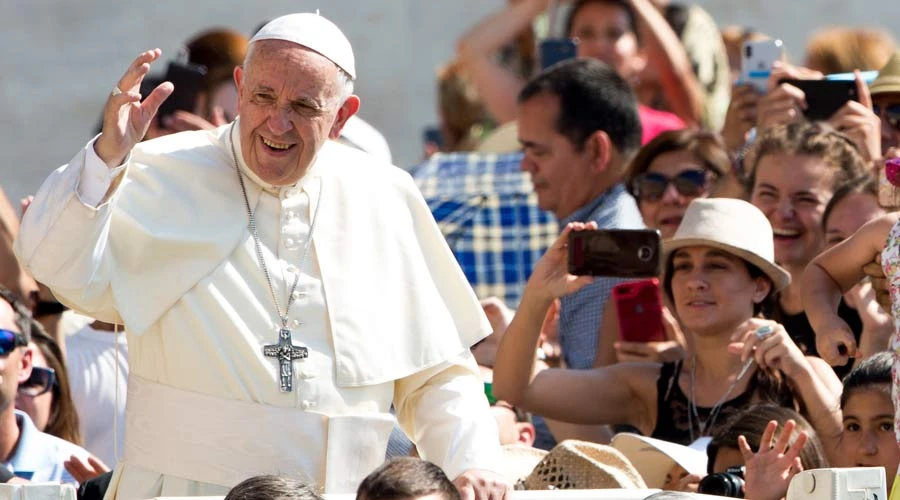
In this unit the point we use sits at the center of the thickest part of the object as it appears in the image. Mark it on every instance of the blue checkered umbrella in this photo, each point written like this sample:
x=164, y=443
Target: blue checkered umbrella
x=487, y=211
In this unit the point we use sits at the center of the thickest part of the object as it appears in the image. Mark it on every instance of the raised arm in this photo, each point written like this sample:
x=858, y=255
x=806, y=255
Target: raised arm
x=668, y=56
x=477, y=52
x=63, y=238
x=832, y=274
x=618, y=394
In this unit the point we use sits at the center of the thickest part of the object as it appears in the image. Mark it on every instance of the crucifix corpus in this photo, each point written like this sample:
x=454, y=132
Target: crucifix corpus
x=286, y=352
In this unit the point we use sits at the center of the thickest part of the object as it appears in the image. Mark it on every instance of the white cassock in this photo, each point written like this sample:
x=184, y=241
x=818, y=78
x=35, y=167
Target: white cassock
x=382, y=306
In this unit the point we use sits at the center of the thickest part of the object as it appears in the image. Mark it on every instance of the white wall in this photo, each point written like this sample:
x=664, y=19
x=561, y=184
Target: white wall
x=60, y=57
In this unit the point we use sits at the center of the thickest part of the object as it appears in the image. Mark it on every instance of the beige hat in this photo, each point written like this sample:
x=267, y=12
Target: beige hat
x=731, y=225
x=519, y=460
x=313, y=32
x=581, y=465
x=888, y=80
x=655, y=458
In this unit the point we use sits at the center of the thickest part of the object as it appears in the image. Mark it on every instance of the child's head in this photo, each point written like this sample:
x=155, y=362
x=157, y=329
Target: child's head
x=868, y=438
x=723, y=451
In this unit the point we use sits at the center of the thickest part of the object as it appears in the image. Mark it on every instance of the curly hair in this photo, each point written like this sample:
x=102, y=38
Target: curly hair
x=802, y=138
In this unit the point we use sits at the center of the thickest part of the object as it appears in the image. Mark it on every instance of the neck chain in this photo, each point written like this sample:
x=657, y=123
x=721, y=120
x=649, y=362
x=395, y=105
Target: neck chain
x=255, y=234
x=704, y=427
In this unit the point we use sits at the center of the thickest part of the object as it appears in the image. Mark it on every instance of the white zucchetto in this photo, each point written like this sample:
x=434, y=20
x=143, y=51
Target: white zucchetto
x=313, y=32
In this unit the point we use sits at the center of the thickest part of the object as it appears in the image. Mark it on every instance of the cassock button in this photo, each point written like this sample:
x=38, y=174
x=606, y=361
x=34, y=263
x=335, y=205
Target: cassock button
x=297, y=294
x=296, y=323
x=307, y=404
x=289, y=242
x=293, y=269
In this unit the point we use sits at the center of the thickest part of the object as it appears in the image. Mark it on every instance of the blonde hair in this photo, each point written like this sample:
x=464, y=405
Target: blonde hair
x=842, y=50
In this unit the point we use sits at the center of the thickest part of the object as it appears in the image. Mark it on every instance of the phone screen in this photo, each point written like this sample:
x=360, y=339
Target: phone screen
x=555, y=50
x=188, y=80
x=624, y=253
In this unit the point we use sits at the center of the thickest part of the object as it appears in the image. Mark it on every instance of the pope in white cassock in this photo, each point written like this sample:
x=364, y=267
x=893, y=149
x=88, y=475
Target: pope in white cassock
x=279, y=290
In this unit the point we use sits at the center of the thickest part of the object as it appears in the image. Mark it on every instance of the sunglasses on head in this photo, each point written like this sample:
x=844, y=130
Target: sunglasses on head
x=10, y=340
x=40, y=382
x=650, y=186
x=891, y=115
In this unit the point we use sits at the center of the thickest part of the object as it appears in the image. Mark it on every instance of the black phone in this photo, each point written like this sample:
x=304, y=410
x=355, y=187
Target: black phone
x=554, y=50
x=824, y=97
x=622, y=253
x=188, y=81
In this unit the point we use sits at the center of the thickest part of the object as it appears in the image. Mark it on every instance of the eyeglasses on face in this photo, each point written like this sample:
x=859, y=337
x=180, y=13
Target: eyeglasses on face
x=10, y=340
x=891, y=114
x=40, y=382
x=650, y=186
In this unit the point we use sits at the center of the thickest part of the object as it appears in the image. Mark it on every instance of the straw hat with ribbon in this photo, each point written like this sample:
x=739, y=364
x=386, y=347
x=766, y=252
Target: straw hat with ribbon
x=581, y=465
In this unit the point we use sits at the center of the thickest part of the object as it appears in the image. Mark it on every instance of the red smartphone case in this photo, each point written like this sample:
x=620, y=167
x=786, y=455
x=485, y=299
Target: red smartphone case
x=639, y=308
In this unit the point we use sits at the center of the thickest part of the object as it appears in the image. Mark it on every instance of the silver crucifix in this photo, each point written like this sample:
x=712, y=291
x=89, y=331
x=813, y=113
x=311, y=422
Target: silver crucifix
x=286, y=352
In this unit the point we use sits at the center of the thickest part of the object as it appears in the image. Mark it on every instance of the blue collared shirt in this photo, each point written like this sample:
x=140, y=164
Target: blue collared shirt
x=39, y=456
x=582, y=312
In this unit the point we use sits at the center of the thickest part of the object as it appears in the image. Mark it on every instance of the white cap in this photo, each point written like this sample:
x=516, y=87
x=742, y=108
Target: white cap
x=313, y=32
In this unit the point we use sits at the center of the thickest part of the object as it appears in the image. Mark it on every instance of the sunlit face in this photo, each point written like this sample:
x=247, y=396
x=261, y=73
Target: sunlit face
x=666, y=213
x=792, y=191
x=561, y=175
x=289, y=99
x=37, y=407
x=604, y=32
x=15, y=367
x=713, y=291
x=868, y=438
x=850, y=214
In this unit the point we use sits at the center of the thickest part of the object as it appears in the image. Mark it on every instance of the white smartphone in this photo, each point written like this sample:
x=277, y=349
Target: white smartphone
x=757, y=60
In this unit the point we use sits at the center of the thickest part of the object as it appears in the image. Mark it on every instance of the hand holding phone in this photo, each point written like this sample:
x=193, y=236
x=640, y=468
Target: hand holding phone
x=624, y=253
x=188, y=82
x=554, y=50
x=824, y=97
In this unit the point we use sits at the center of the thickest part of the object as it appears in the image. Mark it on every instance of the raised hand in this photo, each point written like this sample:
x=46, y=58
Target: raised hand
x=859, y=122
x=769, y=471
x=550, y=278
x=125, y=118
x=769, y=344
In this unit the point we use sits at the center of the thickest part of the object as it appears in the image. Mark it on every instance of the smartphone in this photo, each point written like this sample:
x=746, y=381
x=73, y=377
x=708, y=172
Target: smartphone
x=639, y=308
x=622, y=253
x=824, y=97
x=433, y=135
x=188, y=80
x=554, y=50
x=757, y=60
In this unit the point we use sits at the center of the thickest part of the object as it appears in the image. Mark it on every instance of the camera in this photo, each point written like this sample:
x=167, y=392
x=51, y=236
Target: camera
x=724, y=484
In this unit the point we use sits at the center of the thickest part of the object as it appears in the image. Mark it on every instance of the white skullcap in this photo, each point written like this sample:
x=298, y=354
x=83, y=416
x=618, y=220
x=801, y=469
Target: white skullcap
x=313, y=32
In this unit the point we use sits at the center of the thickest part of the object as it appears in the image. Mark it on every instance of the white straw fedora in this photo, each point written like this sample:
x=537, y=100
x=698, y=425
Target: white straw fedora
x=731, y=225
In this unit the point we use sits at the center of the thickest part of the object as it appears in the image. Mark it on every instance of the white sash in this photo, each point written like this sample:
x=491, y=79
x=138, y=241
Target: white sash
x=212, y=440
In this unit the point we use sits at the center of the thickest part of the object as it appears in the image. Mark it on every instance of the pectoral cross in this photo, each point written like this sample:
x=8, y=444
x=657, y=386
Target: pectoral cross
x=286, y=352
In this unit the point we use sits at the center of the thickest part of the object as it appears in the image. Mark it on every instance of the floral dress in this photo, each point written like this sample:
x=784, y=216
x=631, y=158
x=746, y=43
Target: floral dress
x=890, y=263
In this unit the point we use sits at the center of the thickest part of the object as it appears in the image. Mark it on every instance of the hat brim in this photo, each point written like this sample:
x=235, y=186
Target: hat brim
x=779, y=276
x=655, y=458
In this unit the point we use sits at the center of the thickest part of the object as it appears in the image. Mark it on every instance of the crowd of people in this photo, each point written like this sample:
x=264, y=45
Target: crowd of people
x=270, y=295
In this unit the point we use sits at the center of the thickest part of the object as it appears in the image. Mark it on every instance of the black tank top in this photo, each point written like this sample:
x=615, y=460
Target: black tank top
x=672, y=408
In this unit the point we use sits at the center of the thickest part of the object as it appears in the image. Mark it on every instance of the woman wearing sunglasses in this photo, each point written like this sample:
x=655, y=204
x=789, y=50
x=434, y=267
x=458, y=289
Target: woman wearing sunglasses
x=45, y=396
x=670, y=171
x=886, y=102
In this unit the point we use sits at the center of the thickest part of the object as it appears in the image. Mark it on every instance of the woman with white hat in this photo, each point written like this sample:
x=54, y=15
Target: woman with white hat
x=720, y=273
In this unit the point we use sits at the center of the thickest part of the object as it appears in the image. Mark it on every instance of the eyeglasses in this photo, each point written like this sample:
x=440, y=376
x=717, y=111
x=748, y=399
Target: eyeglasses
x=651, y=186
x=891, y=115
x=40, y=382
x=10, y=340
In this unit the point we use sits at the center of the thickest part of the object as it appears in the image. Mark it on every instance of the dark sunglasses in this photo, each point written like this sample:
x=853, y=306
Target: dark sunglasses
x=10, y=340
x=40, y=382
x=891, y=115
x=651, y=186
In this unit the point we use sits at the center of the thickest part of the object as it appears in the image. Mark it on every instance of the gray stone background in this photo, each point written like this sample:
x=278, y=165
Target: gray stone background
x=59, y=58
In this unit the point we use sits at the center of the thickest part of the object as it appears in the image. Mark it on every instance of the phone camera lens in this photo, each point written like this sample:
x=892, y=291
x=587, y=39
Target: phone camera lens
x=645, y=253
x=748, y=51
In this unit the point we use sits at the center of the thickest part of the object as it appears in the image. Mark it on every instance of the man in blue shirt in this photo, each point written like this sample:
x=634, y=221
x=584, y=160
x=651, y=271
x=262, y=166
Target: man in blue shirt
x=26, y=452
x=579, y=127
